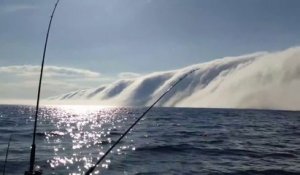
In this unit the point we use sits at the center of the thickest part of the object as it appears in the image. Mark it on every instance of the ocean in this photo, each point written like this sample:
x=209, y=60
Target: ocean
x=167, y=141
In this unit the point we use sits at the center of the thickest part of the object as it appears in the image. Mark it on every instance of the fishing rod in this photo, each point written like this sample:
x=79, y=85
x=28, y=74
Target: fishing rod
x=31, y=170
x=91, y=169
x=6, y=156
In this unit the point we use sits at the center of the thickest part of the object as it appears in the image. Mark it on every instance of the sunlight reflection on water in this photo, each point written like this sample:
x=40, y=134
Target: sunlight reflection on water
x=82, y=135
x=167, y=141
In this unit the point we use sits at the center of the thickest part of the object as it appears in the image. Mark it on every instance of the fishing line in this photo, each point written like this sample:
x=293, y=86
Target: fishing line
x=91, y=169
x=33, y=147
x=6, y=156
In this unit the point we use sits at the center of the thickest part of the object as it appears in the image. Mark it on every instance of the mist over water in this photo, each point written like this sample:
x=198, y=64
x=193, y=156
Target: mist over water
x=168, y=141
x=260, y=80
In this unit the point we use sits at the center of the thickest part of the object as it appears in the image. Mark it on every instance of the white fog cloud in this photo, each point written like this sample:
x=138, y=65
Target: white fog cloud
x=128, y=75
x=21, y=81
x=16, y=7
x=259, y=80
x=49, y=71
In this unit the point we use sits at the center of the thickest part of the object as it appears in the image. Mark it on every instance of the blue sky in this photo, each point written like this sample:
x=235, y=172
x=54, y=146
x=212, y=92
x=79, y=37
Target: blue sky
x=111, y=37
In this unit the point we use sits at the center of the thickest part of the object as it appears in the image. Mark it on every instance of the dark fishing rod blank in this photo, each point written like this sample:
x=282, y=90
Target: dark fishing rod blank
x=91, y=169
x=6, y=156
x=31, y=170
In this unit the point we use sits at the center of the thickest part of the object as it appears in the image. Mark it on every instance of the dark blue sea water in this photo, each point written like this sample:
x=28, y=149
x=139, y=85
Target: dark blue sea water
x=167, y=141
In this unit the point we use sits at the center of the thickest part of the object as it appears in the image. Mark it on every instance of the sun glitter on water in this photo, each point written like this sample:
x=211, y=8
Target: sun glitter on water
x=81, y=109
x=85, y=133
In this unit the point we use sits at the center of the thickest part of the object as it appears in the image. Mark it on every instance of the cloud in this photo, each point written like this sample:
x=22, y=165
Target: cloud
x=128, y=75
x=16, y=8
x=49, y=71
x=260, y=80
x=21, y=81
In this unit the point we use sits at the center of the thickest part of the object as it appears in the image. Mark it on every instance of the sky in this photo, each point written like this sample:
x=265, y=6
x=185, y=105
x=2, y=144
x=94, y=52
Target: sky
x=96, y=42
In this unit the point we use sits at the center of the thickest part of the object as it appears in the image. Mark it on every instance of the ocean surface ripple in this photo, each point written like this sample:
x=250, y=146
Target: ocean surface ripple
x=167, y=141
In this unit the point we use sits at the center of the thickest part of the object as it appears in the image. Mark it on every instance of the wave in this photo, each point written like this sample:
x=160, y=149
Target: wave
x=182, y=148
x=260, y=172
